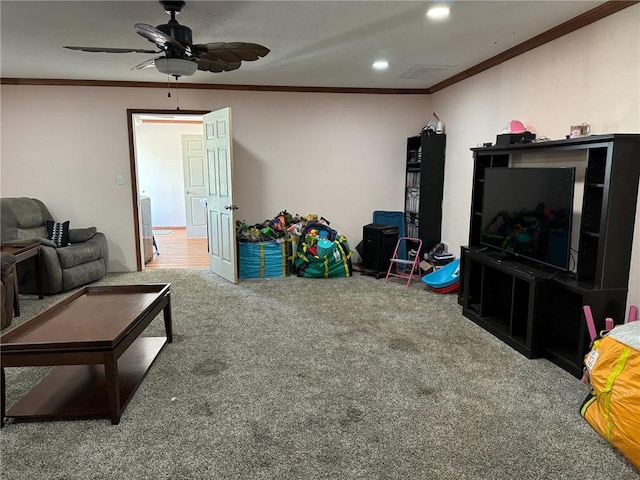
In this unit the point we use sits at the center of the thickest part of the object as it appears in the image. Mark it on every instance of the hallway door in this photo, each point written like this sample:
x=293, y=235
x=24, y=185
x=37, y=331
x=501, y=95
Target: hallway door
x=195, y=185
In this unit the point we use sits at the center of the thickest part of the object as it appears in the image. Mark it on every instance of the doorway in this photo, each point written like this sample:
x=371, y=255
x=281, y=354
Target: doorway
x=162, y=185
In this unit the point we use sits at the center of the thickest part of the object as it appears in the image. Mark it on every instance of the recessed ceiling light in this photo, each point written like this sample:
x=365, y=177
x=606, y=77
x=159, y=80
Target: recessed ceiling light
x=438, y=13
x=381, y=65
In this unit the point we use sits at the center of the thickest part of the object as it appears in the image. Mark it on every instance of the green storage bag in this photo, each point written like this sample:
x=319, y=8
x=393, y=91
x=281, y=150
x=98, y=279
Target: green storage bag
x=334, y=261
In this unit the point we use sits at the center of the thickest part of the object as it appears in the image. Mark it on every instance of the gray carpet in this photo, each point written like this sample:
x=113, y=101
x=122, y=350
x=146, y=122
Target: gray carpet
x=320, y=379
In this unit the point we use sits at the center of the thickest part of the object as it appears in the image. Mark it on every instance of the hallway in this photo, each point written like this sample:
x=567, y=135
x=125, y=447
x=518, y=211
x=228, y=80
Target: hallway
x=178, y=251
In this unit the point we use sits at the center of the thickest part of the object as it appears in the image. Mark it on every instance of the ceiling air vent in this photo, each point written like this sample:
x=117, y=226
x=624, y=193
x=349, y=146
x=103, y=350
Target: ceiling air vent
x=423, y=72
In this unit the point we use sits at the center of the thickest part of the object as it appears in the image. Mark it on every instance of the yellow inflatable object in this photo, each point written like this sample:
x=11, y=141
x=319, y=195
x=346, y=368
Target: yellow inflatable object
x=612, y=369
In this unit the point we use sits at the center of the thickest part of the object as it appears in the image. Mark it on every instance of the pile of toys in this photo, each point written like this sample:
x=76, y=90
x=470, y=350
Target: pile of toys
x=268, y=249
x=282, y=225
x=266, y=231
x=265, y=249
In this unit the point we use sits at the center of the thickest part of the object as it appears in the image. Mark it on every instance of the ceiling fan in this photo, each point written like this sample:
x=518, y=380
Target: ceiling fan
x=181, y=57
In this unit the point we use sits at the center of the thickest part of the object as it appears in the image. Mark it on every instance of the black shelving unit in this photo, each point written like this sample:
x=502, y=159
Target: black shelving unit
x=538, y=310
x=501, y=296
x=424, y=187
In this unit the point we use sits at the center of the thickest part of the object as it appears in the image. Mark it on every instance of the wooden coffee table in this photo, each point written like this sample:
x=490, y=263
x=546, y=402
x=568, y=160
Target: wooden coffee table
x=94, y=338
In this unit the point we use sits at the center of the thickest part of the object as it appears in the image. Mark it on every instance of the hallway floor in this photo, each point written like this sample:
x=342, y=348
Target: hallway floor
x=178, y=251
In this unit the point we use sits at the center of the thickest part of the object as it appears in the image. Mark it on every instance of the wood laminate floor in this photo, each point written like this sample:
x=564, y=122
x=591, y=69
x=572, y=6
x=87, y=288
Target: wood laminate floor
x=178, y=251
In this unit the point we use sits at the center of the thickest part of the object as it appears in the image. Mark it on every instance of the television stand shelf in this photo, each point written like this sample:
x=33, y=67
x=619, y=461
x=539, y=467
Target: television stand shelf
x=538, y=310
x=565, y=339
x=500, y=296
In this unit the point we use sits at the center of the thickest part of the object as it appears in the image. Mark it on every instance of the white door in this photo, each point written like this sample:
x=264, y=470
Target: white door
x=195, y=185
x=220, y=206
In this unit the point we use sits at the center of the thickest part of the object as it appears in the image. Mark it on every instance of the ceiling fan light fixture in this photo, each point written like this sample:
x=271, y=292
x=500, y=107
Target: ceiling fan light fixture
x=176, y=67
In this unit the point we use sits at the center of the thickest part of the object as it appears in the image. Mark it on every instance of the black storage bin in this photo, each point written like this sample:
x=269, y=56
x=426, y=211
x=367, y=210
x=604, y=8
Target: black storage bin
x=378, y=244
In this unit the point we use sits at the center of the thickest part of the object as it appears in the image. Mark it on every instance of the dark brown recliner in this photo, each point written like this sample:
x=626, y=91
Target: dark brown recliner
x=8, y=288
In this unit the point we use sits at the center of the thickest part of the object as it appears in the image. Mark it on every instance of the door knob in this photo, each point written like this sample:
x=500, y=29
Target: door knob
x=231, y=207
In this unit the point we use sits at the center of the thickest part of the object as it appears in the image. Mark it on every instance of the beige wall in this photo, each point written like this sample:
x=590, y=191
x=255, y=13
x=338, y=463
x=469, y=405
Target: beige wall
x=591, y=75
x=340, y=156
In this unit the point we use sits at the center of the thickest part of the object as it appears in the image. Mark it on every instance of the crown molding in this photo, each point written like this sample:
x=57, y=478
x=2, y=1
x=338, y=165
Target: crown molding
x=62, y=82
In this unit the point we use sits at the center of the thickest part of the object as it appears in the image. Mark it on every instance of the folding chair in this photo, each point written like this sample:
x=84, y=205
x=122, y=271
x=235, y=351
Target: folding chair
x=405, y=267
x=608, y=322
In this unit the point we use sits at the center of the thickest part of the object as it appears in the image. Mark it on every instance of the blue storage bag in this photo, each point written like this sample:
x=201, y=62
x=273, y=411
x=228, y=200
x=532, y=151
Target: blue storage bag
x=265, y=259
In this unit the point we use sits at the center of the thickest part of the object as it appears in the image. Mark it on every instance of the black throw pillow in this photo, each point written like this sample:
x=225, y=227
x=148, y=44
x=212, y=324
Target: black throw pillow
x=58, y=233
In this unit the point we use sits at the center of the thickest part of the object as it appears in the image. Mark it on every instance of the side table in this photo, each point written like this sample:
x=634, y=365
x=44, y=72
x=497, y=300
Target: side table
x=23, y=250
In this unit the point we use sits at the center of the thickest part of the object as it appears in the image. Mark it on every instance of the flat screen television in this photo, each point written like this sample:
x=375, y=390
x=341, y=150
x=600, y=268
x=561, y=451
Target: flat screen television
x=527, y=212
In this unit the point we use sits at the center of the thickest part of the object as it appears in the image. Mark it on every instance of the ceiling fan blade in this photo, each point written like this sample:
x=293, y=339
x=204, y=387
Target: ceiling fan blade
x=231, y=51
x=145, y=64
x=112, y=50
x=217, y=66
x=161, y=39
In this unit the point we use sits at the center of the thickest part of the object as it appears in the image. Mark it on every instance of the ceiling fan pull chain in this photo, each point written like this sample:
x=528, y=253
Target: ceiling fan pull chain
x=177, y=96
x=168, y=86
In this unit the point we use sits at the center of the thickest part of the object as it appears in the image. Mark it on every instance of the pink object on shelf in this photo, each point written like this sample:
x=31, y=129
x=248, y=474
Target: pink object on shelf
x=516, y=126
x=633, y=314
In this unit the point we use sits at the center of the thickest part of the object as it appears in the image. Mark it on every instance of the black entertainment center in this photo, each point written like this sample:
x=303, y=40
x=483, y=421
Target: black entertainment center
x=517, y=281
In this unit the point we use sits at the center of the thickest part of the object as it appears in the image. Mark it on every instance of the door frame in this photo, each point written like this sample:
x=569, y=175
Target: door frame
x=133, y=170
